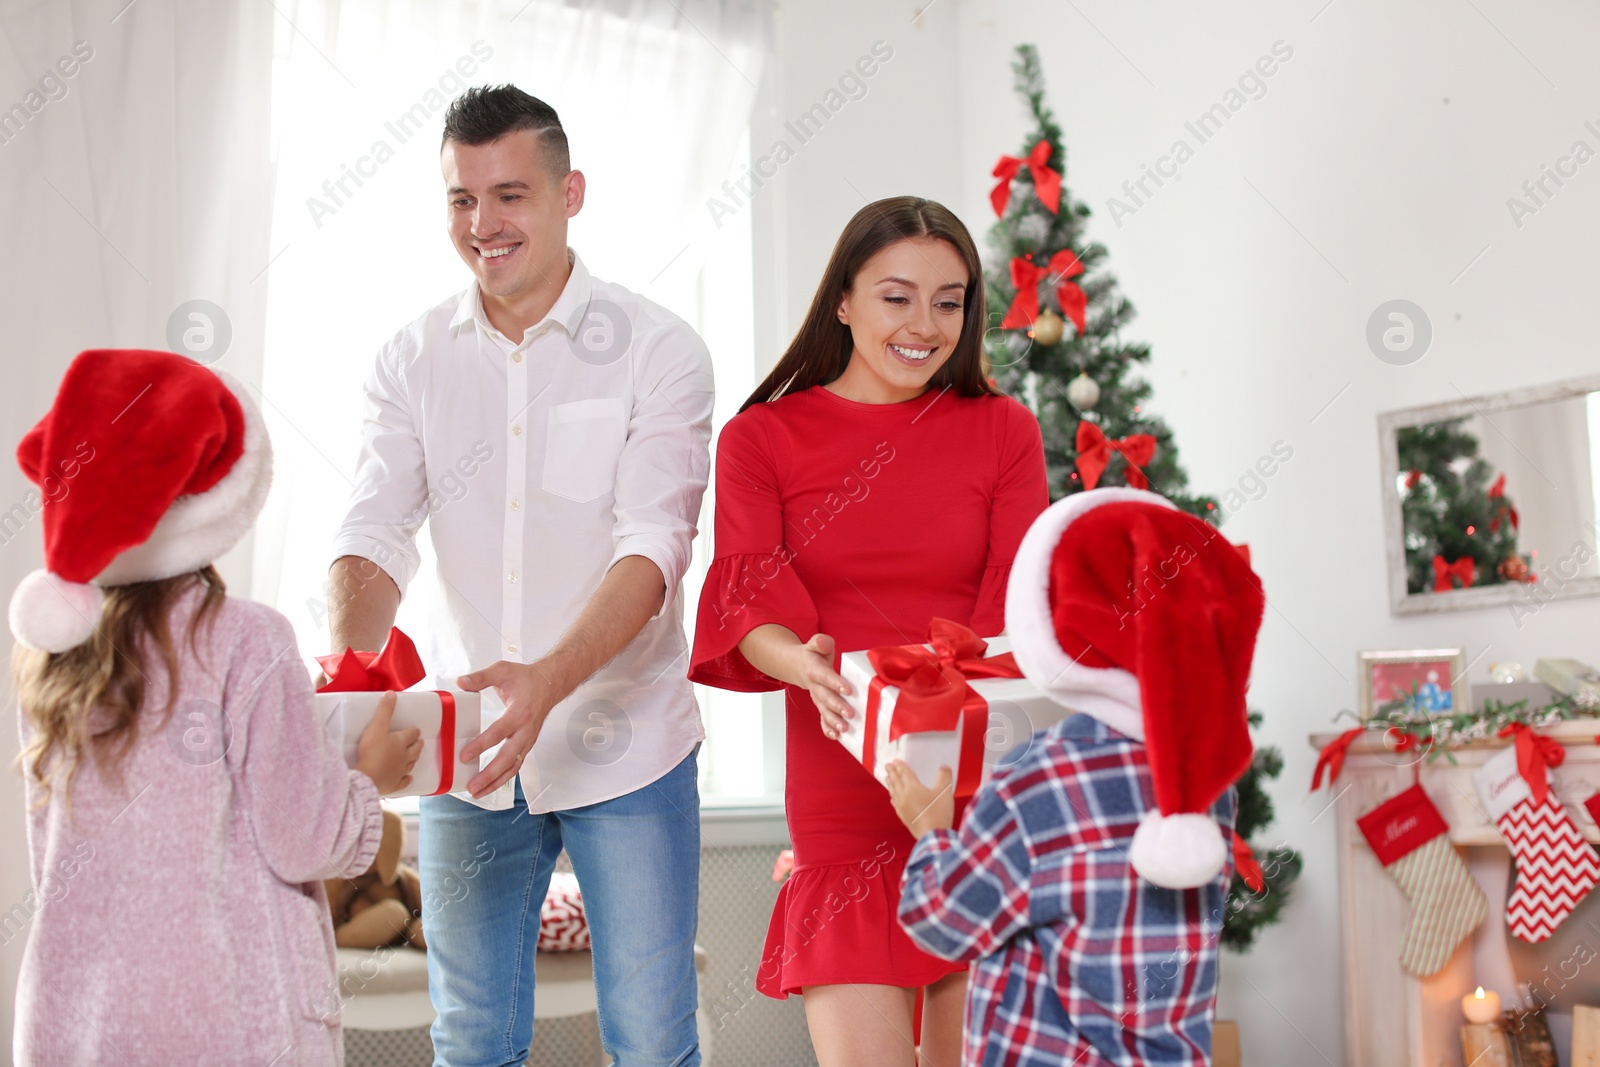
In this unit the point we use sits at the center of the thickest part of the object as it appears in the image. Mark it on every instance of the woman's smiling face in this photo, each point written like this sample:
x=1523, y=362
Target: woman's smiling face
x=905, y=311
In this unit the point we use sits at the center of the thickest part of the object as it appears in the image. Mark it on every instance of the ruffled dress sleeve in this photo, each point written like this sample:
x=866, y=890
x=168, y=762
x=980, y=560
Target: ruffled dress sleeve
x=1021, y=494
x=751, y=581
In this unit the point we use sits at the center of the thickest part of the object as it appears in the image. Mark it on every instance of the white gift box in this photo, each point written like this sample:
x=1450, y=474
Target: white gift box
x=1016, y=710
x=346, y=715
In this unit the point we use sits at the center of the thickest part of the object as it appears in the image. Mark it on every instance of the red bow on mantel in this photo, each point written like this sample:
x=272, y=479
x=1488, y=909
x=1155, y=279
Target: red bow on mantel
x=1497, y=491
x=1094, y=452
x=396, y=667
x=1026, y=276
x=1535, y=753
x=1462, y=570
x=1331, y=758
x=1046, y=182
x=934, y=694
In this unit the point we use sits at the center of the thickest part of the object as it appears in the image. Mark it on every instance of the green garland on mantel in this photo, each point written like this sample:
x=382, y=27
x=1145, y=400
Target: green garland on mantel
x=1435, y=732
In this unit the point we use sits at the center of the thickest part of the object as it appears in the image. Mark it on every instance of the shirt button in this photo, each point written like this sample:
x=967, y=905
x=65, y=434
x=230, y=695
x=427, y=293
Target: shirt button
x=511, y=649
x=512, y=578
x=516, y=357
x=516, y=506
x=517, y=430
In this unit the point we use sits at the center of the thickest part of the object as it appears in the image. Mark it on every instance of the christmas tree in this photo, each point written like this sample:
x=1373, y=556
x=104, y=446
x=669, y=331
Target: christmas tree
x=1460, y=530
x=1092, y=405
x=1080, y=383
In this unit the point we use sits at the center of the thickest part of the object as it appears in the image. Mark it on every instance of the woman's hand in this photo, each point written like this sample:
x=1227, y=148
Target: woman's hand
x=813, y=667
x=386, y=755
x=920, y=808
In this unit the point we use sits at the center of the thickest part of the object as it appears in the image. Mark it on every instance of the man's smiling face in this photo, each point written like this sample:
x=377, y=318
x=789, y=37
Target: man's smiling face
x=508, y=212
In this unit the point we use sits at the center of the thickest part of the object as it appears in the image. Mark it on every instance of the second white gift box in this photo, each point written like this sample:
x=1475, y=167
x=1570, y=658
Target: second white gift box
x=440, y=768
x=1012, y=710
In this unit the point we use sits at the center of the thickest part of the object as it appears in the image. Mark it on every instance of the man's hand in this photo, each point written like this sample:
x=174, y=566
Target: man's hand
x=920, y=808
x=528, y=696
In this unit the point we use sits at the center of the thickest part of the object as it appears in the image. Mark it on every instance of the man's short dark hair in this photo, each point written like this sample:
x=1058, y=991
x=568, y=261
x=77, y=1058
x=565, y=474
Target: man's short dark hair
x=487, y=113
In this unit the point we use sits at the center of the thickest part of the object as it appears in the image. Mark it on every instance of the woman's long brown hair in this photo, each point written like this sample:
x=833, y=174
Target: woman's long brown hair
x=821, y=349
x=58, y=691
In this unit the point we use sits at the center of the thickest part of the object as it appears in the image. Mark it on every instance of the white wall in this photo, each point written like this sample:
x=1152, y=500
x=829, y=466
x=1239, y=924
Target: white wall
x=1376, y=166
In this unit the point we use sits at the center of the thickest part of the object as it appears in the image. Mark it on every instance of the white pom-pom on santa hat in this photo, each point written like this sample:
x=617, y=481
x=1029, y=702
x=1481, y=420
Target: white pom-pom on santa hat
x=51, y=614
x=152, y=465
x=1131, y=611
x=1178, y=851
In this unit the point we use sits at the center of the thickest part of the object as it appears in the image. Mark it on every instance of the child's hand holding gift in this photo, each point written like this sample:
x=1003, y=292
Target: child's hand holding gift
x=387, y=755
x=920, y=808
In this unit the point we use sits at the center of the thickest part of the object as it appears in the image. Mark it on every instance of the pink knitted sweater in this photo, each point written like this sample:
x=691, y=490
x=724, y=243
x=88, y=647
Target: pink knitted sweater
x=177, y=916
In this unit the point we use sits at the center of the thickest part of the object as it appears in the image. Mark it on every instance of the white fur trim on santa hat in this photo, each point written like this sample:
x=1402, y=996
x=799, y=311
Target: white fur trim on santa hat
x=1178, y=851
x=50, y=614
x=1109, y=694
x=199, y=528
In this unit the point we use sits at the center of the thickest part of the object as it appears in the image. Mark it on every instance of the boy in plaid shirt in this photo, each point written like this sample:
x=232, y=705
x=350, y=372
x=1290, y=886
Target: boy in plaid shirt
x=1089, y=875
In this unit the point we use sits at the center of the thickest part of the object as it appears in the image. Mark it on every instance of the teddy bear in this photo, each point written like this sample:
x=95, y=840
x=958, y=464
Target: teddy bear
x=384, y=905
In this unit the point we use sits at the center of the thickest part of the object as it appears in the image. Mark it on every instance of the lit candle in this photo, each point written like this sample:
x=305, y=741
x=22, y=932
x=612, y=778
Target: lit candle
x=1481, y=1007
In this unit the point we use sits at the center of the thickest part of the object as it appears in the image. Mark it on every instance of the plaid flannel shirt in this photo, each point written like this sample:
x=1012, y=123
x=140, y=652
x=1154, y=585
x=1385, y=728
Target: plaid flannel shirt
x=1080, y=961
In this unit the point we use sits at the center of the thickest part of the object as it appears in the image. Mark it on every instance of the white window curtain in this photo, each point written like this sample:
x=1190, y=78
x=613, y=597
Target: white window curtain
x=655, y=96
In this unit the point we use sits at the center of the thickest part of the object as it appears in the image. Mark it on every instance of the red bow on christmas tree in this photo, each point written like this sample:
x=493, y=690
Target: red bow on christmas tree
x=1046, y=182
x=1462, y=569
x=1497, y=491
x=1026, y=277
x=1094, y=452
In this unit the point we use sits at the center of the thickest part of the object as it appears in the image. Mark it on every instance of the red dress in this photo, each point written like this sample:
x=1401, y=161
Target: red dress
x=861, y=521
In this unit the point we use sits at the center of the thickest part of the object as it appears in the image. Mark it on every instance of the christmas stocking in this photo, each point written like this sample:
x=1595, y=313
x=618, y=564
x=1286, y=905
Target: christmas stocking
x=1407, y=834
x=1556, y=867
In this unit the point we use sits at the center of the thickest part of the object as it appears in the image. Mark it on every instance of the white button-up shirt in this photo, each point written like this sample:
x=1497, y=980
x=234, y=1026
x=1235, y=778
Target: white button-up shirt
x=538, y=464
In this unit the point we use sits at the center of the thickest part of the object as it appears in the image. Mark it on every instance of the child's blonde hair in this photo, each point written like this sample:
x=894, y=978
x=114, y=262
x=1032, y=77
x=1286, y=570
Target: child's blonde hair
x=57, y=691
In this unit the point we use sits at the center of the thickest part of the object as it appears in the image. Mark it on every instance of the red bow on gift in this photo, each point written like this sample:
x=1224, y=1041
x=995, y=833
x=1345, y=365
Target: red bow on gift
x=1535, y=754
x=1094, y=452
x=1462, y=569
x=1026, y=276
x=1331, y=758
x=1497, y=491
x=934, y=694
x=1046, y=182
x=1244, y=862
x=396, y=667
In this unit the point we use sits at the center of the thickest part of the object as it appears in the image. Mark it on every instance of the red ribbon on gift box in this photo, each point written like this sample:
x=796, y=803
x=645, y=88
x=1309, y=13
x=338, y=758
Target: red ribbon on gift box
x=396, y=667
x=934, y=694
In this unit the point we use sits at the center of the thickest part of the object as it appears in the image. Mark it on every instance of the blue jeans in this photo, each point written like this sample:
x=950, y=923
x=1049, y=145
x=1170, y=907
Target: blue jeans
x=484, y=876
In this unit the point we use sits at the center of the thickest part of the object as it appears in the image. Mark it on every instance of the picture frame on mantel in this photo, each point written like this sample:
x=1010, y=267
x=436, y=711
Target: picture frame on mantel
x=1438, y=674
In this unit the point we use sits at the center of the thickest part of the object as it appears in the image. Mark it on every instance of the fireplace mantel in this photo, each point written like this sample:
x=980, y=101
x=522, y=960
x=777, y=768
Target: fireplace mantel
x=1390, y=1018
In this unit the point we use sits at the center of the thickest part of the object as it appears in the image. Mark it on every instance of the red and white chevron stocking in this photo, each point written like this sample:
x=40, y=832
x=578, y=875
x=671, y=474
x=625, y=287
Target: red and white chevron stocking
x=1556, y=867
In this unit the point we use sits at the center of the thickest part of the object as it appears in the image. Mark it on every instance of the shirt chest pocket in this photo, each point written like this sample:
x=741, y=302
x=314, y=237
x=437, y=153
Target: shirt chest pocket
x=582, y=445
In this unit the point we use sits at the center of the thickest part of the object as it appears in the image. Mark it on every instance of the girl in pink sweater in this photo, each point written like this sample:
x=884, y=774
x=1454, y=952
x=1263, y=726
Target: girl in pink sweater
x=184, y=801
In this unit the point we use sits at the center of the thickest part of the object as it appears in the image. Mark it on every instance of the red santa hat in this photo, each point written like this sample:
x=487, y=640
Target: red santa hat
x=1127, y=609
x=149, y=465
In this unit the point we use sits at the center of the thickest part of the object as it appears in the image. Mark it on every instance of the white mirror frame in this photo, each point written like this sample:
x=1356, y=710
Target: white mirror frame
x=1389, y=423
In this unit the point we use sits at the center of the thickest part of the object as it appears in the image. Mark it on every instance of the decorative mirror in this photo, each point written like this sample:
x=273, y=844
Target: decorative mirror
x=1491, y=500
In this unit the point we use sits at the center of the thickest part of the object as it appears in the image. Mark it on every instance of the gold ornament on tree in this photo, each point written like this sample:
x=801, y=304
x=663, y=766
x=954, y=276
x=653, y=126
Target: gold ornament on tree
x=1047, y=328
x=1083, y=393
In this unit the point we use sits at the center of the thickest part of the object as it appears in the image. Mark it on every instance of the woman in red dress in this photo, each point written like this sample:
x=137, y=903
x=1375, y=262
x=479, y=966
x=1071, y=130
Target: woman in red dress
x=873, y=481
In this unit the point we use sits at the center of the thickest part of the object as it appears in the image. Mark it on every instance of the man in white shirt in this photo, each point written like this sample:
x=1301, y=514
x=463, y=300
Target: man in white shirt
x=554, y=430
